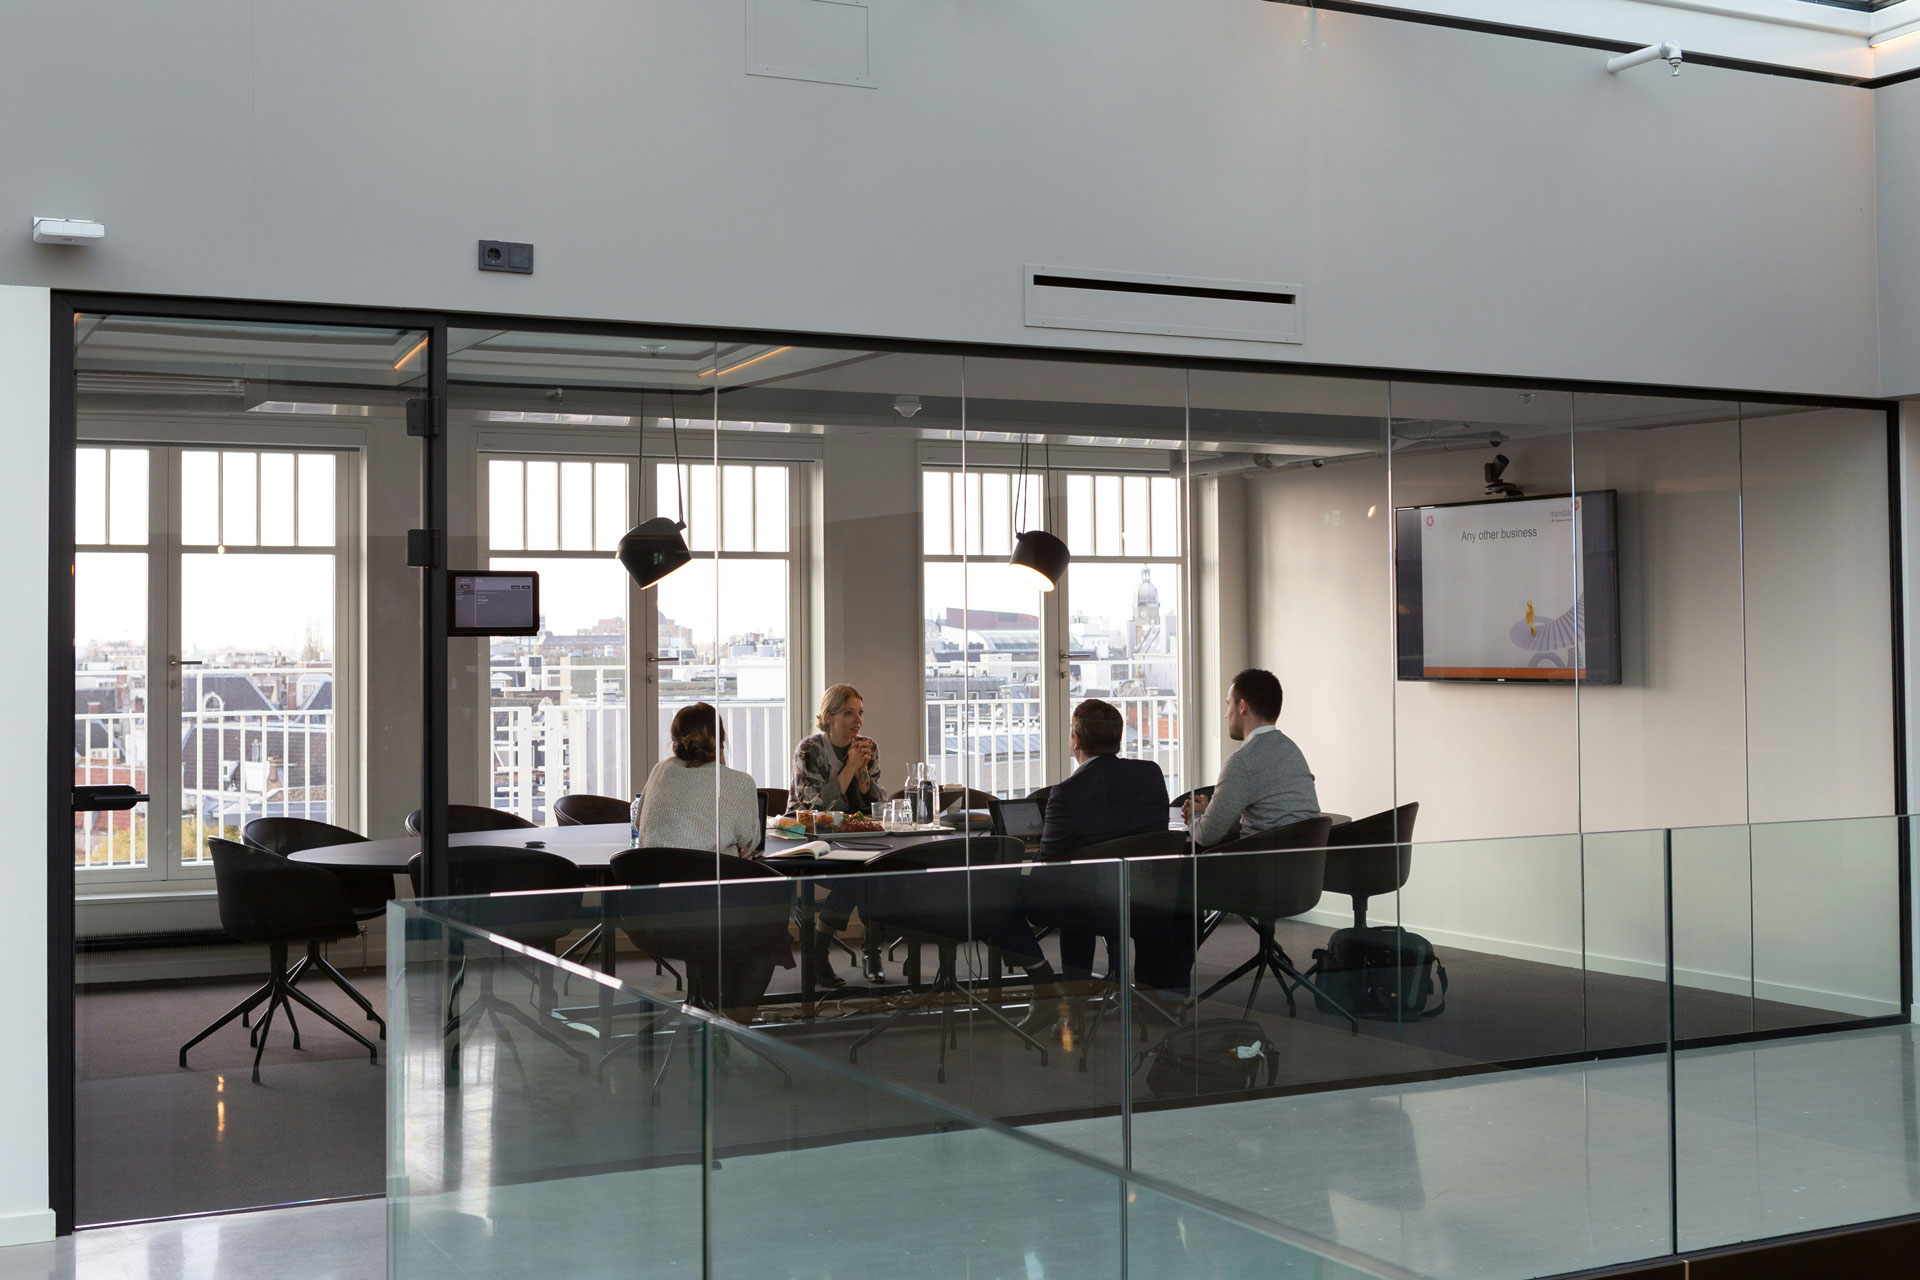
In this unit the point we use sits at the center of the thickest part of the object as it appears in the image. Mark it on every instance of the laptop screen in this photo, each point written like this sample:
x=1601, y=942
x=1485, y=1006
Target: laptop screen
x=1022, y=818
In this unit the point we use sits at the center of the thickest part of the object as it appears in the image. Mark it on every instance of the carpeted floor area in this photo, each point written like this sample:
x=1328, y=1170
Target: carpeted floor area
x=155, y=1140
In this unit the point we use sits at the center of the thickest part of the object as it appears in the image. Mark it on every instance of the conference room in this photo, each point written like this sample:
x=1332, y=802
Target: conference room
x=1593, y=687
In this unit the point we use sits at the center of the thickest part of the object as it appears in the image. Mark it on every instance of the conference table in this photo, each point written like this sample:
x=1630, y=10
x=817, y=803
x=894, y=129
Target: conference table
x=592, y=848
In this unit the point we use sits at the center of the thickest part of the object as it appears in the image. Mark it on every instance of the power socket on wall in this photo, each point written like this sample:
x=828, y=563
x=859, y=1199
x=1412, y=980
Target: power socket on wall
x=506, y=255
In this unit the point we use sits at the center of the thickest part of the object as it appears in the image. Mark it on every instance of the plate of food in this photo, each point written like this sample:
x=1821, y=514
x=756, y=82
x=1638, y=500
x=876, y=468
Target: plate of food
x=812, y=822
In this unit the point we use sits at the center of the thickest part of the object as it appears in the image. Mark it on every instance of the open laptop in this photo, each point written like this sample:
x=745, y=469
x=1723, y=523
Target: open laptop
x=1020, y=818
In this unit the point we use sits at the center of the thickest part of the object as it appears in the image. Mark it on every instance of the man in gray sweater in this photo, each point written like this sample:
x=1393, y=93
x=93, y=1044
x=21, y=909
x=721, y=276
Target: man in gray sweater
x=1266, y=783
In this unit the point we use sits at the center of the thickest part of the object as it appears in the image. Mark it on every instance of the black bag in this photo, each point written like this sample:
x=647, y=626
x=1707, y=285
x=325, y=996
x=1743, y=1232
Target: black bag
x=1212, y=1056
x=1379, y=973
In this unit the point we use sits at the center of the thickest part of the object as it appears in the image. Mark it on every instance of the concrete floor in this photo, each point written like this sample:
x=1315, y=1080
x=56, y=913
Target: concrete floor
x=1489, y=1177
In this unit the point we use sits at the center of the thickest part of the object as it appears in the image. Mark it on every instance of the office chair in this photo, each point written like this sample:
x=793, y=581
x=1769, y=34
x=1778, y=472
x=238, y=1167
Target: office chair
x=464, y=818
x=1371, y=856
x=927, y=901
x=585, y=810
x=1266, y=878
x=538, y=917
x=697, y=922
x=268, y=900
x=776, y=799
x=1087, y=897
x=368, y=892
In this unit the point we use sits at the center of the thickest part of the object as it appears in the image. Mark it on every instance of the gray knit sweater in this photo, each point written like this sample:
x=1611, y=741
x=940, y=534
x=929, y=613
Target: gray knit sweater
x=1265, y=784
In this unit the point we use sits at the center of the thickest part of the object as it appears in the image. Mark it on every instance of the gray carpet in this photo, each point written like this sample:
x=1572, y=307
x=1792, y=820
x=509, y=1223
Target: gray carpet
x=154, y=1140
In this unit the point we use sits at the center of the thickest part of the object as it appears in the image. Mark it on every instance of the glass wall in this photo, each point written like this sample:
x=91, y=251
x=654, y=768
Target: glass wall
x=247, y=641
x=1038, y=734
x=1541, y=655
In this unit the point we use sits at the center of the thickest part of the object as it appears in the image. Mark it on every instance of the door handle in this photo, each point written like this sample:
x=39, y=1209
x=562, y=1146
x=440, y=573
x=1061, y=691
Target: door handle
x=185, y=662
x=106, y=796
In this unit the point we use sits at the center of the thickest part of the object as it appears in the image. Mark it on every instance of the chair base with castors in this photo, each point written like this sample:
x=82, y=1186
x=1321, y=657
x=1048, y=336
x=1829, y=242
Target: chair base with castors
x=498, y=1011
x=1272, y=958
x=276, y=993
x=1145, y=1007
x=941, y=991
x=271, y=902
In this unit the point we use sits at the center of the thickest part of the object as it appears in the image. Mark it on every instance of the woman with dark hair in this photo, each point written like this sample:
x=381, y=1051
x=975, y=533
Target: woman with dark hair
x=692, y=800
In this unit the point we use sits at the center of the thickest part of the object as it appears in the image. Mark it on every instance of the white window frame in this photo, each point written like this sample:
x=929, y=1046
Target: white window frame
x=1055, y=607
x=165, y=440
x=800, y=455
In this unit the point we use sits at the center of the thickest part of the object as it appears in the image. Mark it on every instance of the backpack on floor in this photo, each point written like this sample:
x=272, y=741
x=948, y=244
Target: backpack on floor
x=1388, y=974
x=1214, y=1055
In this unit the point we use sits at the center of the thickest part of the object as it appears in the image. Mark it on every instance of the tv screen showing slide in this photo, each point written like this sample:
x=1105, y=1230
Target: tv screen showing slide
x=1506, y=591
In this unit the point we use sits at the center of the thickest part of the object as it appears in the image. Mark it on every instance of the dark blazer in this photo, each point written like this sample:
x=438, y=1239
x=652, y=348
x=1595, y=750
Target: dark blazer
x=1104, y=799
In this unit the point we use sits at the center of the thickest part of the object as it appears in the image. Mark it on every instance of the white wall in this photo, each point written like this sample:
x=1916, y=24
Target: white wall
x=1446, y=200
x=1756, y=692
x=1896, y=121
x=24, y=411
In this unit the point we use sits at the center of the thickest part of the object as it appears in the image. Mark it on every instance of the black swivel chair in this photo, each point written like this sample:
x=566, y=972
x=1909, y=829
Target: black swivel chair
x=1266, y=878
x=538, y=920
x=265, y=899
x=1371, y=856
x=591, y=811
x=776, y=799
x=368, y=891
x=464, y=818
x=699, y=924
x=946, y=908
x=1087, y=898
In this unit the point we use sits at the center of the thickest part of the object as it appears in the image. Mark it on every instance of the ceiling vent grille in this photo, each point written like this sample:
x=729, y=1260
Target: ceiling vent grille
x=1188, y=306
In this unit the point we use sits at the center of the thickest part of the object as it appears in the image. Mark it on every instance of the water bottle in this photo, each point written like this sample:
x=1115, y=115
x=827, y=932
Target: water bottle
x=926, y=804
x=633, y=832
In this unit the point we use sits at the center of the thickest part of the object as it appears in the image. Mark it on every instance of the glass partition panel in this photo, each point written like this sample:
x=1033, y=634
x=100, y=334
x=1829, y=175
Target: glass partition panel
x=1489, y=627
x=560, y=445
x=511, y=1147
x=246, y=654
x=1818, y=612
x=1473, y=970
x=1802, y=1132
x=521, y=1140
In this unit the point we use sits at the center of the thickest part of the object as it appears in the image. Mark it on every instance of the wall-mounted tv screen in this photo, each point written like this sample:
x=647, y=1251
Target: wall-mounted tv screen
x=1521, y=589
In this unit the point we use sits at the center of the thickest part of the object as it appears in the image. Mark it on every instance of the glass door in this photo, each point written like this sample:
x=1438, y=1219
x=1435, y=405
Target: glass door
x=248, y=626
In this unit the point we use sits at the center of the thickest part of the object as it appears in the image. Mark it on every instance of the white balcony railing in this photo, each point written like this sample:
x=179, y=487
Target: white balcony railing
x=236, y=763
x=1002, y=738
x=550, y=749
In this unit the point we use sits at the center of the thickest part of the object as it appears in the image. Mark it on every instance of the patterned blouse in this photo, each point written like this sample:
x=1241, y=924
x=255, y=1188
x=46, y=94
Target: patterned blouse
x=816, y=779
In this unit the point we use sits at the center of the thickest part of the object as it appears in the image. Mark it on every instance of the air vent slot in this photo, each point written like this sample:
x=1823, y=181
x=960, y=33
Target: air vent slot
x=1190, y=306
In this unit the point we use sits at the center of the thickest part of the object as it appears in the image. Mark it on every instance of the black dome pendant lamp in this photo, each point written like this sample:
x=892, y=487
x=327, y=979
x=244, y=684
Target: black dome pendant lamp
x=656, y=547
x=1035, y=550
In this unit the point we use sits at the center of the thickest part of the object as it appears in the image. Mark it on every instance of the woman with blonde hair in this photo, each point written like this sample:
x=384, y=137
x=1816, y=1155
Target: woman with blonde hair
x=837, y=768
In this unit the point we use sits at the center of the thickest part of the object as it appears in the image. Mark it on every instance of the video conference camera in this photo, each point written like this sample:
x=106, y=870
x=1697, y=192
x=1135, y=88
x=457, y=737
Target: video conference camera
x=1496, y=487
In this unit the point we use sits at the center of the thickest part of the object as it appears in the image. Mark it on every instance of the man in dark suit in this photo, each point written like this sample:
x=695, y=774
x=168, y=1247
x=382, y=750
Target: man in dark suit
x=1104, y=798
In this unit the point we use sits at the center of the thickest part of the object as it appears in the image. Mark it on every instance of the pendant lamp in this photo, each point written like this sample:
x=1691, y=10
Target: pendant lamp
x=655, y=548
x=1035, y=550
x=1042, y=554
